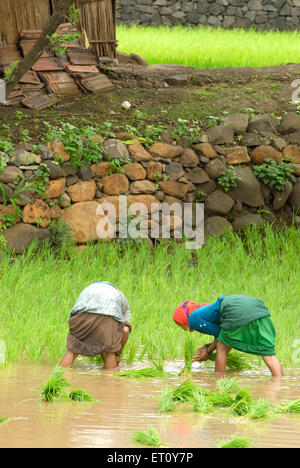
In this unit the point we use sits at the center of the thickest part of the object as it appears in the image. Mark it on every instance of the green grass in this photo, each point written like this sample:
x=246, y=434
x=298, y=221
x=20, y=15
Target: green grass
x=236, y=442
x=55, y=387
x=81, y=395
x=210, y=48
x=38, y=291
x=150, y=437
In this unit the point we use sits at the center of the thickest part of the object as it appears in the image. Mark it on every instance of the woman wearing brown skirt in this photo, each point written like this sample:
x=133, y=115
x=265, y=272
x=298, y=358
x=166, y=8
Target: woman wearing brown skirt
x=99, y=324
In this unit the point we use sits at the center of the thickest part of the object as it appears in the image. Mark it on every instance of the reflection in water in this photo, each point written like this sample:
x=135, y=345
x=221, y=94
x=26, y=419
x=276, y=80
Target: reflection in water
x=127, y=405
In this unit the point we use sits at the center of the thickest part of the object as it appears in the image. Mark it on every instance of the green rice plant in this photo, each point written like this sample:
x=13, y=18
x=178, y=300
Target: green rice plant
x=186, y=392
x=166, y=404
x=150, y=437
x=220, y=400
x=236, y=442
x=243, y=401
x=259, y=409
x=228, y=385
x=3, y=420
x=81, y=395
x=189, y=349
x=235, y=361
x=55, y=387
x=292, y=407
x=156, y=371
x=201, y=404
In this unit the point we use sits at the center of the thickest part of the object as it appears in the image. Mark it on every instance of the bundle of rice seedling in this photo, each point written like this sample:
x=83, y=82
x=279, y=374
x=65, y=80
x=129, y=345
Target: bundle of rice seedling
x=292, y=407
x=228, y=385
x=188, y=355
x=3, y=420
x=236, y=442
x=220, y=400
x=155, y=371
x=243, y=401
x=201, y=404
x=259, y=409
x=166, y=403
x=55, y=387
x=150, y=437
x=235, y=361
x=186, y=392
x=80, y=395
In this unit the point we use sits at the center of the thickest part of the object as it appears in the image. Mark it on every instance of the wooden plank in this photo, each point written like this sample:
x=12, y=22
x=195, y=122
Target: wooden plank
x=9, y=54
x=59, y=83
x=81, y=69
x=30, y=77
x=65, y=89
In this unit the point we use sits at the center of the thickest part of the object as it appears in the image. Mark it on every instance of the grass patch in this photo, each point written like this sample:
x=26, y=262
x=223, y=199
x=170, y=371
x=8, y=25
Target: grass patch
x=55, y=387
x=236, y=442
x=206, y=47
x=81, y=395
x=157, y=370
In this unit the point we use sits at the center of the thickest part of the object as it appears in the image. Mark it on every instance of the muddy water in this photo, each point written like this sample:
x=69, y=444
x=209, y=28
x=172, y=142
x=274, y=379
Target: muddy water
x=126, y=405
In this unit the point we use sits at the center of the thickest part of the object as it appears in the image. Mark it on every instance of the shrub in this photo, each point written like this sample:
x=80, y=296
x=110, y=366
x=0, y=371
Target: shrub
x=274, y=175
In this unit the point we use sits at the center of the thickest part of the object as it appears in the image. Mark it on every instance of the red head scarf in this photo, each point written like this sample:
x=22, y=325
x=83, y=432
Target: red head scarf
x=182, y=312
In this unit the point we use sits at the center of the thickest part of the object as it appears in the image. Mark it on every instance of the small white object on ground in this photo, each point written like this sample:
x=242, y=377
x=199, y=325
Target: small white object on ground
x=126, y=105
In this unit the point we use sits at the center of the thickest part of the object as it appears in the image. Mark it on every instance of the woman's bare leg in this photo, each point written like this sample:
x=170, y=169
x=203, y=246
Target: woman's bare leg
x=221, y=360
x=110, y=362
x=273, y=365
x=68, y=359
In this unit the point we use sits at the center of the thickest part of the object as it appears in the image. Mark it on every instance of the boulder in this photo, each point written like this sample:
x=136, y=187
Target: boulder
x=174, y=171
x=142, y=186
x=101, y=169
x=295, y=197
x=149, y=201
x=218, y=203
x=115, y=184
x=220, y=135
x=82, y=219
x=134, y=171
x=59, y=151
x=138, y=152
x=248, y=190
x=237, y=155
x=206, y=150
x=290, y=153
x=197, y=175
x=115, y=149
x=85, y=172
x=216, y=226
x=165, y=150
x=281, y=196
x=10, y=174
x=262, y=123
x=174, y=189
x=56, y=171
x=251, y=219
x=55, y=188
x=37, y=213
x=154, y=170
x=238, y=122
x=20, y=237
x=215, y=168
x=290, y=123
x=189, y=158
x=262, y=152
x=82, y=191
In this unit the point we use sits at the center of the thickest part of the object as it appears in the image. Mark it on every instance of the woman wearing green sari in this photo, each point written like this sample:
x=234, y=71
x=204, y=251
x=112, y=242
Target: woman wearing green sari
x=239, y=322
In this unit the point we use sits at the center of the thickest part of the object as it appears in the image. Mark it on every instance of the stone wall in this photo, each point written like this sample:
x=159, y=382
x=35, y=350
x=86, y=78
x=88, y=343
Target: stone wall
x=262, y=14
x=165, y=172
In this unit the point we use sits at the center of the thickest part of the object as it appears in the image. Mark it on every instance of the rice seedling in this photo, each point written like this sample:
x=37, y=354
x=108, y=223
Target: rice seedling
x=235, y=361
x=156, y=371
x=242, y=403
x=292, y=407
x=189, y=349
x=3, y=420
x=55, y=387
x=150, y=437
x=81, y=395
x=166, y=404
x=259, y=409
x=201, y=404
x=236, y=442
x=186, y=392
x=221, y=400
x=228, y=385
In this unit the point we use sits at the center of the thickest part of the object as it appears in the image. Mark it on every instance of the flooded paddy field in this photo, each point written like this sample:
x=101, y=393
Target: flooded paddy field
x=125, y=405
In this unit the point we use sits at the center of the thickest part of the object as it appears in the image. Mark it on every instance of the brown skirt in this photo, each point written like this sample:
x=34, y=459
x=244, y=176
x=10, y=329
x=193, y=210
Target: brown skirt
x=92, y=334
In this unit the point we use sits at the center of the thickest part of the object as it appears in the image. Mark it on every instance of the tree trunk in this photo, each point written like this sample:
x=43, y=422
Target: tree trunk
x=41, y=44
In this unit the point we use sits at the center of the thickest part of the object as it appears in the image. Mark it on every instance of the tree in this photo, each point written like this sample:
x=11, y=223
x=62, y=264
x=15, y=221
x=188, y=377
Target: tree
x=41, y=44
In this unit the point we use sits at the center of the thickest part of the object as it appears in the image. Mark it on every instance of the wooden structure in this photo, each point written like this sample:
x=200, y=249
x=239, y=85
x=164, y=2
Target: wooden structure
x=97, y=18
